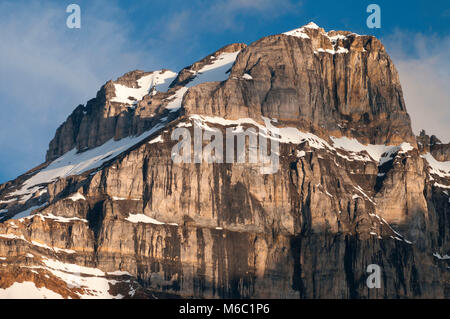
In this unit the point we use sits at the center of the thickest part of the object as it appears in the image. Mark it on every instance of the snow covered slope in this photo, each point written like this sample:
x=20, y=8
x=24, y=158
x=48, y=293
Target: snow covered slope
x=157, y=80
x=215, y=71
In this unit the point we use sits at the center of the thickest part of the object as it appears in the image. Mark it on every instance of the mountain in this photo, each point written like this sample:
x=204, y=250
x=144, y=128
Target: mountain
x=111, y=214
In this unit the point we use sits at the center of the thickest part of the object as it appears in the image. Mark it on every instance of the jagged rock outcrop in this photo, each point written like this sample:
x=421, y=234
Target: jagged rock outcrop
x=118, y=217
x=433, y=145
x=112, y=114
x=108, y=117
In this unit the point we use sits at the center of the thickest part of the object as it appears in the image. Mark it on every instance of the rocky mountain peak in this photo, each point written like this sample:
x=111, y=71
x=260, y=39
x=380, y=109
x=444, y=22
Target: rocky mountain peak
x=111, y=214
x=188, y=73
x=335, y=42
x=130, y=79
x=333, y=83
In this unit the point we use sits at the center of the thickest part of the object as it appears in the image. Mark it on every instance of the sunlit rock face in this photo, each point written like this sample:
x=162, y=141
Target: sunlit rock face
x=111, y=215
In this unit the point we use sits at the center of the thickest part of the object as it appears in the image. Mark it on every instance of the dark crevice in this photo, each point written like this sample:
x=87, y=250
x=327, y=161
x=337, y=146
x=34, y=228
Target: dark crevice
x=95, y=217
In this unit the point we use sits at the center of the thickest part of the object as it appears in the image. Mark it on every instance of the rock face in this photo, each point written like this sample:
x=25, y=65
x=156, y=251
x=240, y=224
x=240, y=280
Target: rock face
x=109, y=115
x=339, y=81
x=111, y=214
x=433, y=145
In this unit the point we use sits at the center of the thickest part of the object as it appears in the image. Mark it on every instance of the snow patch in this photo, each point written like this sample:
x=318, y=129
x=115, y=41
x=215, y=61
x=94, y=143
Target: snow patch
x=27, y=290
x=438, y=256
x=158, y=139
x=141, y=218
x=12, y=236
x=378, y=152
x=90, y=280
x=61, y=219
x=298, y=33
x=300, y=153
x=55, y=249
x=442, y=186
x=340, y=50
x=75, y=163
x=176, y=99
x=441, y=169
x=358, y=188
x=311, y=25
x=76, y=197
x=280, y=134
x=334, y=38
x=27, y=213
x=8, y=201
x=123, y=198
x=375, y=152
x=214, y=72
x=158, y=80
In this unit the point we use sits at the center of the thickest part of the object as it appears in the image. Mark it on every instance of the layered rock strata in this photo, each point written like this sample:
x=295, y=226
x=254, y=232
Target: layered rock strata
x=111, y=215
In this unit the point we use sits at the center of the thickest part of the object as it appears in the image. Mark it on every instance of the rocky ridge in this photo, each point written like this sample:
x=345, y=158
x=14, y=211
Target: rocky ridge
x=109, y=214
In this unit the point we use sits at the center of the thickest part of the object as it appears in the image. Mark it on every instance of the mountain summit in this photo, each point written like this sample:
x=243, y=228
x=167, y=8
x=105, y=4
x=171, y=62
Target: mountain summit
x=110, y=214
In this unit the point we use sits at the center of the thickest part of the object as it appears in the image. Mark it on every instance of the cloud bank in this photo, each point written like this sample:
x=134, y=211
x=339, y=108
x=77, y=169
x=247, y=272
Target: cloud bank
x=423, y=63
x=48, y=69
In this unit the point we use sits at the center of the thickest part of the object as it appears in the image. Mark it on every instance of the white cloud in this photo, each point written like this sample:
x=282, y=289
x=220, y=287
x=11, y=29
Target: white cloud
x=48, y=69
x=217, y=16
x=423, y=63
x=227, y=12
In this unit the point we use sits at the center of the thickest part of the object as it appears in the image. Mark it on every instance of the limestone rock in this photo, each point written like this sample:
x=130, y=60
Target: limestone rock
x=111, y=215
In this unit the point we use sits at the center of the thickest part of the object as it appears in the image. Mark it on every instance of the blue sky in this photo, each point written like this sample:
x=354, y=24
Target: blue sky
x=46, y=69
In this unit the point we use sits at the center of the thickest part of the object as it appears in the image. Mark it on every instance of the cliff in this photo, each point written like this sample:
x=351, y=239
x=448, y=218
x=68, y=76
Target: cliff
x=110, y=214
